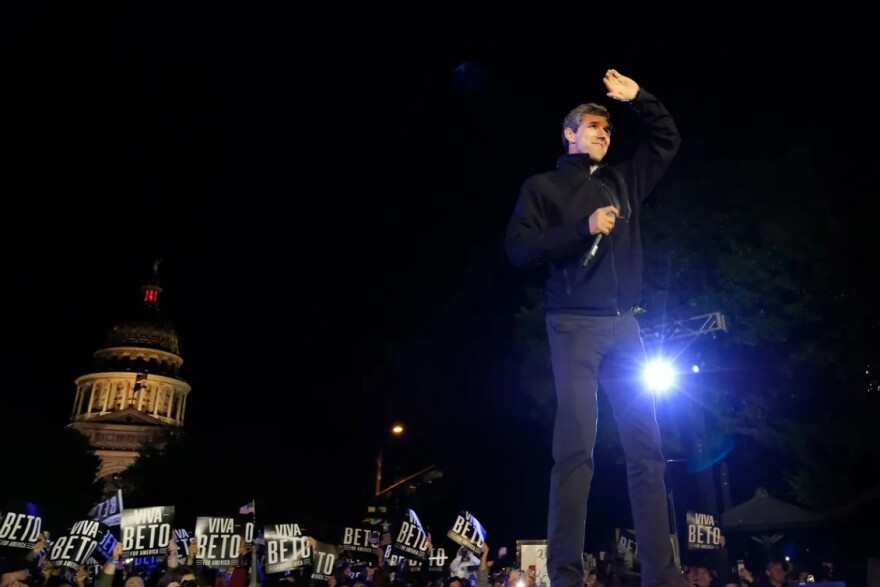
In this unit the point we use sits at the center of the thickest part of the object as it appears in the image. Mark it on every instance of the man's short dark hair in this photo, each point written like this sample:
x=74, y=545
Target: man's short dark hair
x=573, y=119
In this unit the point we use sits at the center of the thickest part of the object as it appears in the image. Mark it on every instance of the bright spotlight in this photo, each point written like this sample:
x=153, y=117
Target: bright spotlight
x=659, y=375
x=695, y=368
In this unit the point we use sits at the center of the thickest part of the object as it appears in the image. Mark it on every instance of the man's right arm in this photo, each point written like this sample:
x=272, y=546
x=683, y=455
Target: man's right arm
x=530, y=240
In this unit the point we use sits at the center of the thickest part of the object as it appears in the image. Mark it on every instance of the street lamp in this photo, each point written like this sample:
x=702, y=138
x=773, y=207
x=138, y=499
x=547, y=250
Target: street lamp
x=427, y=474
x=396, y=430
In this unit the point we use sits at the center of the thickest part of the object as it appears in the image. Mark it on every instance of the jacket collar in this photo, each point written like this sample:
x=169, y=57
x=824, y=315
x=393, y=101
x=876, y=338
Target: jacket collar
x=580, y=161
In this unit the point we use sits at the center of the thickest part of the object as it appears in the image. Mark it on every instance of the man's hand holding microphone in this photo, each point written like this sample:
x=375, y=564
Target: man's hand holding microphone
x=601, y=224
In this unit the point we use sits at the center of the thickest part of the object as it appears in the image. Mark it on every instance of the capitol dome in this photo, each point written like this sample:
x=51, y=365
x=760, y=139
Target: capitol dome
x=147, y=327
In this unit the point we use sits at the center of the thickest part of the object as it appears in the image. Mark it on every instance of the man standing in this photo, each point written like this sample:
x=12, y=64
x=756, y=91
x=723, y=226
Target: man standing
x=582, y=220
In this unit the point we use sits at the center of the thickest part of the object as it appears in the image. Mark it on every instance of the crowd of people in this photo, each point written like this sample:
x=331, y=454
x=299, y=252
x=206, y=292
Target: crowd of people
x=180, y=568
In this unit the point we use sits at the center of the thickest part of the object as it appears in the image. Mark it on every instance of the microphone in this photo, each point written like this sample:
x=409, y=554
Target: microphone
x=595, y=248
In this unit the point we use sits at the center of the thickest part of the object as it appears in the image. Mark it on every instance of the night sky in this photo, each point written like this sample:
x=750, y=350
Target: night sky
x=330, y=214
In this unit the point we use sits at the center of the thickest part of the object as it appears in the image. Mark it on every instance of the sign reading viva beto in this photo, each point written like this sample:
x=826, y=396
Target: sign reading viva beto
x=360, y=540
x=219, y=541
x=106, y=545
x=286, y=548
x=702, y=532
x=468, y=532
x=108, y=511
x=323, y=563
x=146, y=531
x=20, y=526
x=74, y=548
x=183, y=544
x=437, y=559
x=248, y=533
x=411, y=539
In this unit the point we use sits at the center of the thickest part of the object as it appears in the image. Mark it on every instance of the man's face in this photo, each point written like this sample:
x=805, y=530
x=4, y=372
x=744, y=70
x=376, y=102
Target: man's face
x=134, y=581
x=702, y=577
x=776, y=573
x=593, y=137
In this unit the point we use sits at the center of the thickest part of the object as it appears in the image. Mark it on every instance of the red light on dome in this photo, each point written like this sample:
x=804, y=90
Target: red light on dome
x=151, y=295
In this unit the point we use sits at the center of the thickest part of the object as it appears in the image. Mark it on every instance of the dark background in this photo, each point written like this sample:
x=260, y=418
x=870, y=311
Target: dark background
x=329, y=202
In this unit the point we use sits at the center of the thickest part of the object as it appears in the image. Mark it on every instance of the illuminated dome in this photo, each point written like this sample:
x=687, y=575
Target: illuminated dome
x=146, y=327
x=144, y=341
x=135, y=393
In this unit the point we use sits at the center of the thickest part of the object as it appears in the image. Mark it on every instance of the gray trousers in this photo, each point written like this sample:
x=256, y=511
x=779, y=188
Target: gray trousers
x=586, y=351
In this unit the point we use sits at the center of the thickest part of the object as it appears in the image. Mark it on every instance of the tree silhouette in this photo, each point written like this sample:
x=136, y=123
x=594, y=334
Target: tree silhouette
x=752, y=238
